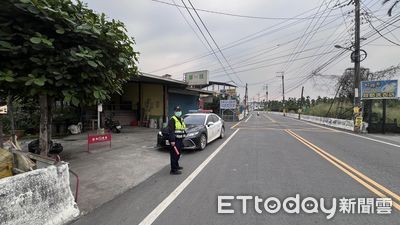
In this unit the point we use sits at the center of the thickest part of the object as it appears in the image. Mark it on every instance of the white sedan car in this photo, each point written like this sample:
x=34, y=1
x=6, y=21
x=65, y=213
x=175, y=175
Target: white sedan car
x=201, y=129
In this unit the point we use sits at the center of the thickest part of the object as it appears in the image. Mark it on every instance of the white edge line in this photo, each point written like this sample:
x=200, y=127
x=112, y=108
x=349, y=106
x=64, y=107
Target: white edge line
x=248, y=118
x=150, y=218
x=356, y=135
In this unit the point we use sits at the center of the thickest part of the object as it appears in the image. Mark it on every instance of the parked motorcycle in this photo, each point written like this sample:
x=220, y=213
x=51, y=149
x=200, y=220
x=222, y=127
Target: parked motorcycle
x=55, y=148
x=112, y=125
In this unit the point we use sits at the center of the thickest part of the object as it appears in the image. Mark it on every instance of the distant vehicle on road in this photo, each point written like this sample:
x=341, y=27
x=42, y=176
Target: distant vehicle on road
x=201, y=129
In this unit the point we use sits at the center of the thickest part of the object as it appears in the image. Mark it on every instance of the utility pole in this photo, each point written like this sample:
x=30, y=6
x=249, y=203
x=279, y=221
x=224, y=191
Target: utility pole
x=266, y=96
x=357, y=102
x=283, y=91
x=245, y=101
x=301, y=101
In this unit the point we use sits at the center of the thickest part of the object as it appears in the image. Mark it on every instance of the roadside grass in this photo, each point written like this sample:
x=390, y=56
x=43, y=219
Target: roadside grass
x=321, y=109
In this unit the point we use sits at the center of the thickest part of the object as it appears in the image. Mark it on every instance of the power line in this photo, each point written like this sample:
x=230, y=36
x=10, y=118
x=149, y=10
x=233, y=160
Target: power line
x=235, y=15
x=387, y=39
x=308, y=38
x=212, y=49
x=215, y=43
x=331, y=60
x=371, y=34
x=367, y=43
x=339, y=56
x=311, y=32
x=366, y=9
x=325, y=52
x=273, y=58
x=279, y=63
x=243, y=40
x=191, y=27
x=283, y=44
x=247, y=41
x=303, y=35
x=329, y=46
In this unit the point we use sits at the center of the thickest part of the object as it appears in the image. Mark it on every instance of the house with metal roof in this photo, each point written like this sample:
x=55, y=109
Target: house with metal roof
x=149, y=97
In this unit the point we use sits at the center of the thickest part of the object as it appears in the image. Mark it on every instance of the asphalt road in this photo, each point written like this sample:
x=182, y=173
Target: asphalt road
x=268, y=156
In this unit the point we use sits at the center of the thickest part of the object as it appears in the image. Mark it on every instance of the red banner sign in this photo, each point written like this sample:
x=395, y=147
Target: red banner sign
x=98, y=138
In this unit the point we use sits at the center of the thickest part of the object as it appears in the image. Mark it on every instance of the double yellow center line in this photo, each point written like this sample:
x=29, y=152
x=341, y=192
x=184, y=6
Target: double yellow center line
x=367, y=182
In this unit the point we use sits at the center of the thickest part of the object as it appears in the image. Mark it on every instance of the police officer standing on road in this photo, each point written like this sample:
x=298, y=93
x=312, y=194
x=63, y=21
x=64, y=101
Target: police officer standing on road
x=177, y=133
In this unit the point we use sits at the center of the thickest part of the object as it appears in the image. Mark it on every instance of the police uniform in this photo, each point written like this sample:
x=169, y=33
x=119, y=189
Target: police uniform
x=177, y=133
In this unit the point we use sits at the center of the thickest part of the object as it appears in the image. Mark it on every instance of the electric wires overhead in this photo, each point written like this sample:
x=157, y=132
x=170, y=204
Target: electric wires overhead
x=232, y=14
x=302, y=45
x=205, y=38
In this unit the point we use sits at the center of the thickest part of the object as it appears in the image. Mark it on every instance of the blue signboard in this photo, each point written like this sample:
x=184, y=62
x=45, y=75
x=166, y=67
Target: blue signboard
x=382, y=89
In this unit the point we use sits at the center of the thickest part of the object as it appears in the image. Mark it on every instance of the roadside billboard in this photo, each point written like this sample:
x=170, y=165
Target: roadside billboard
x=197, y=77
x=230, y=92
x=227, y=104
x=382, y=89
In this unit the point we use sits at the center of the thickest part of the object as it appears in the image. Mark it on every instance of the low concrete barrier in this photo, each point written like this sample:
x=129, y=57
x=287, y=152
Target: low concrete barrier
x=331, y=122
x=42, y=196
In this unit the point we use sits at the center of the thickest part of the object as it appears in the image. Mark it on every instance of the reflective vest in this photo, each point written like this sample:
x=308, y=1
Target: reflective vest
x=179, y=128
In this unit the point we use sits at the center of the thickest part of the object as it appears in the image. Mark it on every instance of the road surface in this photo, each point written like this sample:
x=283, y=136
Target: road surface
x=269, y=156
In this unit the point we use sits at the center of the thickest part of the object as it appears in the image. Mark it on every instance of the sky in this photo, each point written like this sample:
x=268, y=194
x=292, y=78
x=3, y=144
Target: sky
x=269, y=37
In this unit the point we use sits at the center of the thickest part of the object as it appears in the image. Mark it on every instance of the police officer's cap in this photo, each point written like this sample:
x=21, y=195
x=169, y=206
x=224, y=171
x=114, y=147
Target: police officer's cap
x=177, y=108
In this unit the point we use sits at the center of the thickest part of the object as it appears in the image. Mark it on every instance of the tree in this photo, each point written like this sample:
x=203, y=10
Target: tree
x=60, y=49
x=345, y=83
x=394, y=3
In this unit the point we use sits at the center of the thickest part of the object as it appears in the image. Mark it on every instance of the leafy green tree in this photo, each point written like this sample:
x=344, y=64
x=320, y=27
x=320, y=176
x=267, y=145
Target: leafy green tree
x=60, y=49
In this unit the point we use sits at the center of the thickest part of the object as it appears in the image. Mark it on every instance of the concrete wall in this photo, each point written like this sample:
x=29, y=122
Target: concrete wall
x=42, y=196
x=330, y=122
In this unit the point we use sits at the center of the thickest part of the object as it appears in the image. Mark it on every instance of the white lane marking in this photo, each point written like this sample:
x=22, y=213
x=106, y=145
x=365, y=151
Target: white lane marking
x=248, y=118
x=356, y=135
x=174, y=194
x=272, y=120
x=376, y=140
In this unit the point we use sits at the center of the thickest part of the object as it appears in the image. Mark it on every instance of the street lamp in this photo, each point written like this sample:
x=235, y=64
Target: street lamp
x=357, y=55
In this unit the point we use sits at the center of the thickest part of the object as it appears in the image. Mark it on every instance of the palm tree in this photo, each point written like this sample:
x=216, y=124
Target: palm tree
x=395, y=2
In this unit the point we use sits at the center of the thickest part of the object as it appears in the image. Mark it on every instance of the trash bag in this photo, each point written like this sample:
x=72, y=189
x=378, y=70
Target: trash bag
x=55, y=148
x=33, y=147
x=6, y=163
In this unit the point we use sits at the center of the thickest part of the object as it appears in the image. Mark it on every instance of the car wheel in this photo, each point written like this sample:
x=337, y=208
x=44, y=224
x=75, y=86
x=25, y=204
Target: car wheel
x=222, y=135
x=203, y=142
